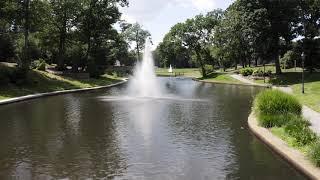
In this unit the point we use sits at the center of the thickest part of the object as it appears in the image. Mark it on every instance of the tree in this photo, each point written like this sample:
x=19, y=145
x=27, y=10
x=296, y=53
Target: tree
x=64, y=14
x=309, y=16
x=195, y=34
x=95, y=26
x=136, y=34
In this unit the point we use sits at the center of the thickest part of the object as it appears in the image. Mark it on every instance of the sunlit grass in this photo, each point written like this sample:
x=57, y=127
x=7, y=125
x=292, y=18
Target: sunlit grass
x=187, y=72
x=220, y=77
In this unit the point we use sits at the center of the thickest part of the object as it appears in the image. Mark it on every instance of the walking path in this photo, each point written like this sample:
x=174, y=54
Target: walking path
x=308, y=113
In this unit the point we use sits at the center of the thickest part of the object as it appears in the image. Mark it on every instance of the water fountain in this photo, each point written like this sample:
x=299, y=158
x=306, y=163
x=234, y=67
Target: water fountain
x=144, y=82
x=170, y=70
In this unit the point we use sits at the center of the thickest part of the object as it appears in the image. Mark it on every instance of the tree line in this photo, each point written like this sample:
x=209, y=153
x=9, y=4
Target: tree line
x=248, y=32
x=77, y=33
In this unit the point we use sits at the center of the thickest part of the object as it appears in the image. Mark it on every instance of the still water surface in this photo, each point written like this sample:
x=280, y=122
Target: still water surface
x=198, y=132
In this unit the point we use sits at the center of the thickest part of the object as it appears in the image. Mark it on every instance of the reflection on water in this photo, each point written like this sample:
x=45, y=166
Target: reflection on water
x=198, y=131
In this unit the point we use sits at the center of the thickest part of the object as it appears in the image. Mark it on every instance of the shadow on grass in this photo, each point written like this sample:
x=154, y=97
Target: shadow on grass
x=291, y=78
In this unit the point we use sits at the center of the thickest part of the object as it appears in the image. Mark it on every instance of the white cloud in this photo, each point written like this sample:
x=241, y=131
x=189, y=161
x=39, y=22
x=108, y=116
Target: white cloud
x=204, y=5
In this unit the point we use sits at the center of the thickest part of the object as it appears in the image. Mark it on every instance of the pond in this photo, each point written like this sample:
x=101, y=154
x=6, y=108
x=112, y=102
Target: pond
x=200, y=132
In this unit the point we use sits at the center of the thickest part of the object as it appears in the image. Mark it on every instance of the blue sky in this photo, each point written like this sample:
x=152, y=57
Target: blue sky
x=158, y=16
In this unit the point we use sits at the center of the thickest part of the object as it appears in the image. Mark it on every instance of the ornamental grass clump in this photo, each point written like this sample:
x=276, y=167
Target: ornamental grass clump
x=298, y=128
x=314, y=153
x=276, y=108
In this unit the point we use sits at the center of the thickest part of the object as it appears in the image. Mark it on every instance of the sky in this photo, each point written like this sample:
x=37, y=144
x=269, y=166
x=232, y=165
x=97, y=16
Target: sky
x=158, y=16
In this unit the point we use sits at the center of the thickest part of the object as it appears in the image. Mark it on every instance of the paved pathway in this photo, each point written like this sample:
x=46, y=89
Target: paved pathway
x=308, y=113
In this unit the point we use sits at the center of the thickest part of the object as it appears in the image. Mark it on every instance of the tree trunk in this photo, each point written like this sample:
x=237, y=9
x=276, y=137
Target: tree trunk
x=62, y=42
x=277, y=63
x=202, y=65
x=276, y=55
x=26, y=58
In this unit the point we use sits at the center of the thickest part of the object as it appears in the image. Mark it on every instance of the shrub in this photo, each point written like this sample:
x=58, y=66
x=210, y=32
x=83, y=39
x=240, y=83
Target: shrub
x=314, y=153
x=275, y=102
x=39, y=65
x=42, y=66
x=268, y=73
x=246, y=71
x=298, y=128
x=269, y=120
x=258, y=72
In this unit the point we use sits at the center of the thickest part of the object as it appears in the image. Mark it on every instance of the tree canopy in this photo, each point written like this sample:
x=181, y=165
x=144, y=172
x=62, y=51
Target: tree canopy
x=248, y=32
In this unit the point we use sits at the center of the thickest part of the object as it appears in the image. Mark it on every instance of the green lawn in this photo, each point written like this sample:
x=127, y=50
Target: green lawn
x=40, y=82
x=220, y=78
x=188, y=72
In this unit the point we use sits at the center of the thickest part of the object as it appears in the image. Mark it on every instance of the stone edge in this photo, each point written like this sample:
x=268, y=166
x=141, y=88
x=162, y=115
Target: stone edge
x=293, y=156
x=38, y=95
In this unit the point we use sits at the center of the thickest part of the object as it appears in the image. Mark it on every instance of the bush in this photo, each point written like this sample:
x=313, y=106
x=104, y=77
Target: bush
x=42, y=66
x=275, y=102
x=276, y=108
x=258, y=73
x=314, y=153
x=298, y=128
x=246, y=72
x=39, y=65
x=268, y=73
x=268, y=120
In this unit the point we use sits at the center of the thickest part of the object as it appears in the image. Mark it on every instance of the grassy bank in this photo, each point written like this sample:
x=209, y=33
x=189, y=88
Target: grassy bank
x=311, y=98
x=216, y=77
x=40, y=82
x=220, y=78
x=187, y=72
x=281, y=114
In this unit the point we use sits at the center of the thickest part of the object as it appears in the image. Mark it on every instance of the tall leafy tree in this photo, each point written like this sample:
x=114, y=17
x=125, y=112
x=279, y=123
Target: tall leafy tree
x=134, y=33
x=64, y=14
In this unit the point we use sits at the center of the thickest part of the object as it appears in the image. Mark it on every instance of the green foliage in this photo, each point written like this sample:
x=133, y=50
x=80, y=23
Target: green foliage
x=39, y=64
x=246, y=71
x=191, y=38
x=208, y=69
x=5, y=74
x=135, y=33
x=94, y=70
x=298, y=128
x=6, y=47
x=289, y=58
x=42, y=65
x=314, y=153
x=268, y=120
x=258, y=72
x=275, y=102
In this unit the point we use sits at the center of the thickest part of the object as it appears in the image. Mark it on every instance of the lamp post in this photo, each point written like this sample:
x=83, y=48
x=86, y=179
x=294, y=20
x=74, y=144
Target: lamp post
x=303, y=57
x=264, y=72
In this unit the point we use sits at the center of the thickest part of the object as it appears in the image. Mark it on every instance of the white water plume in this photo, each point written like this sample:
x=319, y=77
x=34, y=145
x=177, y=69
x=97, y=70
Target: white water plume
x=144, y=81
